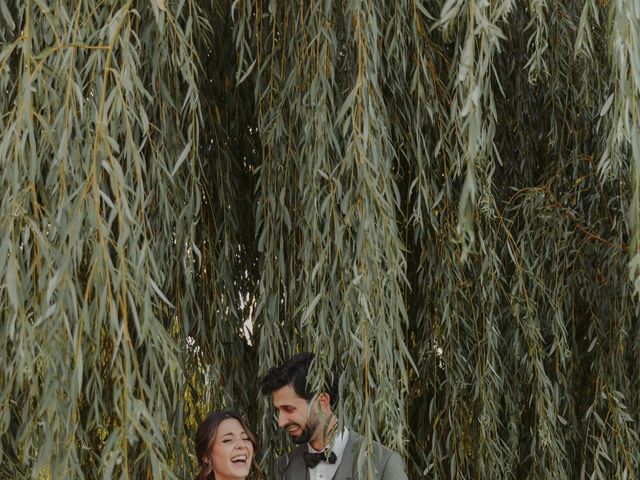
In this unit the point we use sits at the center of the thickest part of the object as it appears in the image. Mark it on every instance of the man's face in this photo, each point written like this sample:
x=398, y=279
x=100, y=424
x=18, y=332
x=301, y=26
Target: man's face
x=296, y=415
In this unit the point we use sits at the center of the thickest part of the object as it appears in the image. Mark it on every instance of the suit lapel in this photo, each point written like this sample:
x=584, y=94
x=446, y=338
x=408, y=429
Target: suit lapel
x=296, y=469
x=345, y=469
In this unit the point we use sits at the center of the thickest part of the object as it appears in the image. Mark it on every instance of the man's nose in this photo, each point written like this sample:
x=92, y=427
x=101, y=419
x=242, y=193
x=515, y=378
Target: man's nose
x=282, y=421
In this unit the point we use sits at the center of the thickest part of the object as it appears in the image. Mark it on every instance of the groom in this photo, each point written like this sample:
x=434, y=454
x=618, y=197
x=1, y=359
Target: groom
x=323, y=453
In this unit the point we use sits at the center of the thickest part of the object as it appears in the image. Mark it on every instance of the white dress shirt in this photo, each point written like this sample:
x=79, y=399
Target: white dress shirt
x=325, y=470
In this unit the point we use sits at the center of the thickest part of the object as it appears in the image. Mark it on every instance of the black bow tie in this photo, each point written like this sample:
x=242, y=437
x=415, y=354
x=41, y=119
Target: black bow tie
x=313, y=459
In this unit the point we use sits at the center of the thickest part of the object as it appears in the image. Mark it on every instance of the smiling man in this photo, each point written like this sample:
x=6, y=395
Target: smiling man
x=322, y=452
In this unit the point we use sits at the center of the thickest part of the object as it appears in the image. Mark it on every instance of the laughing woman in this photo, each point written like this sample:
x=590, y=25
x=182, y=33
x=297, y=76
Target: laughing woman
x=225, y=448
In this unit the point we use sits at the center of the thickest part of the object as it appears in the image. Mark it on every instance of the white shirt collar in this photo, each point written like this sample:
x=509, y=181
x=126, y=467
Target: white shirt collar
x=338, y=445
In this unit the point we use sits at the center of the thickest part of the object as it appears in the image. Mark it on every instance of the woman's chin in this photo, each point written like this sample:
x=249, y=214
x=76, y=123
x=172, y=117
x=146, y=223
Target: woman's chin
x=240, y=470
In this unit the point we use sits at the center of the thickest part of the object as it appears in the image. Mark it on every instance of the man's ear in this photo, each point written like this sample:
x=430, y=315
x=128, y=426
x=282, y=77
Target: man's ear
x=325, y=400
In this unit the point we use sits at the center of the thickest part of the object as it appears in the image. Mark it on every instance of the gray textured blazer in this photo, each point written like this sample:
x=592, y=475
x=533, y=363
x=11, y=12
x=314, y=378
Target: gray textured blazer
x=388, y=463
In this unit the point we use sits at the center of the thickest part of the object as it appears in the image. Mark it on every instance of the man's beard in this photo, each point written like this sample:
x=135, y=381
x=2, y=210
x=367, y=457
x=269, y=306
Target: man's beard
x=307, y=432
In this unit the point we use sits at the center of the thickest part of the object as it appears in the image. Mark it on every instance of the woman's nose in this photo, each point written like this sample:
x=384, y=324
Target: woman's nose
x=241, y=445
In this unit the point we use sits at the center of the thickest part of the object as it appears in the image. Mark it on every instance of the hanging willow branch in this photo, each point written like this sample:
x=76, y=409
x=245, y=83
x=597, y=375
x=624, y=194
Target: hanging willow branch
x=439, y=198
x=100, y=129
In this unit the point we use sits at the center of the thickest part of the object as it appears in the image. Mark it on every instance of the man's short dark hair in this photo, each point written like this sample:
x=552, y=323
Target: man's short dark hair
x=294, y=372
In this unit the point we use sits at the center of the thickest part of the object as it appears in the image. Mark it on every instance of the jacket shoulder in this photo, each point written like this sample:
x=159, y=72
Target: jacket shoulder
x=379, y=450
x=388, y=462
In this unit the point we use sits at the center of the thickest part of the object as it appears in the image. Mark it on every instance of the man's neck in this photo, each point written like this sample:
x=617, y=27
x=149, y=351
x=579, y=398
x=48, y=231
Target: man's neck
x=325, y=434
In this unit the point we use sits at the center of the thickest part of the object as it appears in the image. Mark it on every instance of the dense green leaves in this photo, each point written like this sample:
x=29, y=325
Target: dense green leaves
x=100, y=99
x=440, y=198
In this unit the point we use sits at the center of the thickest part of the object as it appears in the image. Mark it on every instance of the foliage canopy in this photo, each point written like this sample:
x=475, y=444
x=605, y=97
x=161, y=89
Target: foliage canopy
x=440, y=198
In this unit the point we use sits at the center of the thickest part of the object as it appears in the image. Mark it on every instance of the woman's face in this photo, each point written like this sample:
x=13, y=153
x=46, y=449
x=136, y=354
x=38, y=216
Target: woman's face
x=232, y=451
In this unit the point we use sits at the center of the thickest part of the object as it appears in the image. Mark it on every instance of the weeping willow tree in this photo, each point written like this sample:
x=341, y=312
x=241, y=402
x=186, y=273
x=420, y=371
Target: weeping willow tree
x=439, y=198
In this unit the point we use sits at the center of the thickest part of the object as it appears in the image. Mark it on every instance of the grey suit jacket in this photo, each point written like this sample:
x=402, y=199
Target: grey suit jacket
x=388, y=463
